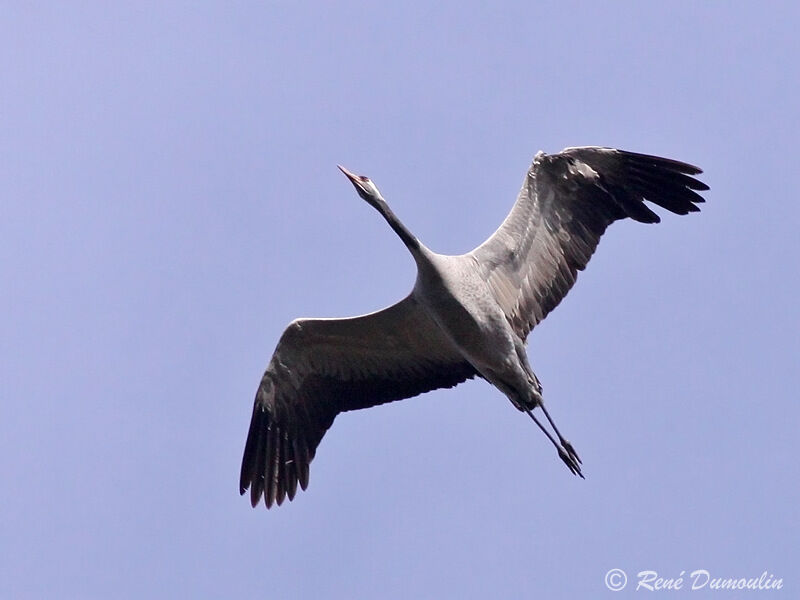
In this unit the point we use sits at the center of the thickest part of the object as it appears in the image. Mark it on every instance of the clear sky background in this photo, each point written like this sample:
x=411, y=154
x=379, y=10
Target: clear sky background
x=170, y=201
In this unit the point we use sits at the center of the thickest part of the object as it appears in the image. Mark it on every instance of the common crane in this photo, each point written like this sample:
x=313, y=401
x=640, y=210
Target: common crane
x=467, y=316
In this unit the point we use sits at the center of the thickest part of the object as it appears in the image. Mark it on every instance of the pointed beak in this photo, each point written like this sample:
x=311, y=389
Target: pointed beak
x=351, y=176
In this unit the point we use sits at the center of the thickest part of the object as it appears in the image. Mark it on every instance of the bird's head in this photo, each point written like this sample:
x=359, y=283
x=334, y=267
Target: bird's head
x=364, y=186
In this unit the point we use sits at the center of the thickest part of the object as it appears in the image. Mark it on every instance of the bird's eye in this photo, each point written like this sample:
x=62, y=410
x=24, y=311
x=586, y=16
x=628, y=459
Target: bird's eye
x=363, y=178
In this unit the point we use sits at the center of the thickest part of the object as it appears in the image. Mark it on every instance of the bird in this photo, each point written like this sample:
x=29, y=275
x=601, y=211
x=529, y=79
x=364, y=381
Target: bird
x=467, y=316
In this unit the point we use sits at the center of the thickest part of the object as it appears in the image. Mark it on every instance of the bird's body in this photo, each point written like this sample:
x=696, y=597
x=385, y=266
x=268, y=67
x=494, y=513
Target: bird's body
x=453, y=294
x=461, y=303
x=466, y=315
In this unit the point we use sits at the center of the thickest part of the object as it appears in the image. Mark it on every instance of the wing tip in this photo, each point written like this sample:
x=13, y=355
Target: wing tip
x=274, y=461
x=659, y=161
x=665, y=182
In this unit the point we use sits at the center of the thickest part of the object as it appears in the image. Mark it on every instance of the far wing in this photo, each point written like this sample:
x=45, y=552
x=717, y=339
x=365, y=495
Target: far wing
x=566, y=203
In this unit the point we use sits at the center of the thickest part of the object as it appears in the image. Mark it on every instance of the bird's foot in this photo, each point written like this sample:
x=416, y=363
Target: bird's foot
x=571, y=451
x=572, y=465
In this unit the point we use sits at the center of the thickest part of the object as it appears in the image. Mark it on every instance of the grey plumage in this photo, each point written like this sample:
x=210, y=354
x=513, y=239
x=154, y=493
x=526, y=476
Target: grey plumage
x=467, y=315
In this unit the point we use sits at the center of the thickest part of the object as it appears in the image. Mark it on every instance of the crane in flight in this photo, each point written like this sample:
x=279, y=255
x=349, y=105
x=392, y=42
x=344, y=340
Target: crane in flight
x=467, y=316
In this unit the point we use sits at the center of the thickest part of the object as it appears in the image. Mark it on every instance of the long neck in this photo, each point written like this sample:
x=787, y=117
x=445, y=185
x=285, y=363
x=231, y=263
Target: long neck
x=409, y=239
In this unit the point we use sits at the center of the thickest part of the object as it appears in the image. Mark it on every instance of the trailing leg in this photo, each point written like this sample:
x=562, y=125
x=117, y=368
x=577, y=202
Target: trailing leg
x=564, y=455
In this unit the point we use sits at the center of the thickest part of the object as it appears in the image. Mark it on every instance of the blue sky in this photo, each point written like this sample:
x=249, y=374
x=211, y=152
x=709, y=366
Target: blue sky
x=171, y=201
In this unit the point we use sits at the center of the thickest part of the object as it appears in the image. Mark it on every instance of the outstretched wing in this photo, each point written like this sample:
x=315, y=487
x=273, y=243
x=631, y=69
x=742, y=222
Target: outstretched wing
x=322, y=367
x=566, y=203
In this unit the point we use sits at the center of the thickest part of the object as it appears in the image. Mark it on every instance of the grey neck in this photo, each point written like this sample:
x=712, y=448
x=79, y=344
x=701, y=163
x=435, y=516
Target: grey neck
x=409, y=239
